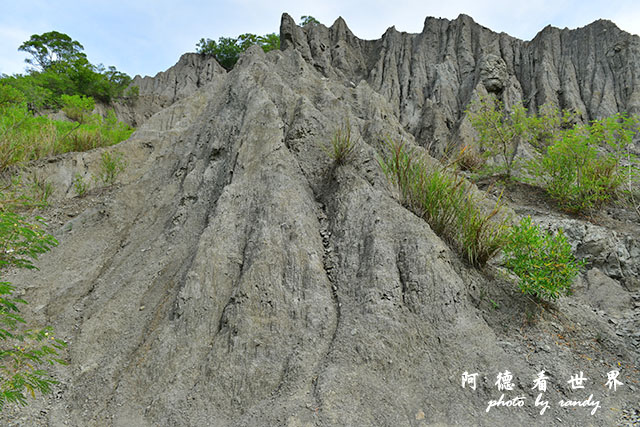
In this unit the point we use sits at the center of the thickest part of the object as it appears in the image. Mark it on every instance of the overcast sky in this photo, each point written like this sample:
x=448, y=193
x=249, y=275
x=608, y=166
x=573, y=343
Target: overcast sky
x=148, y=36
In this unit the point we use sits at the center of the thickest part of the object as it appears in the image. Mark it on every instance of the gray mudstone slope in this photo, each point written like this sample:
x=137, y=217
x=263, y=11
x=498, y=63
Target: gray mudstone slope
x=235, y=276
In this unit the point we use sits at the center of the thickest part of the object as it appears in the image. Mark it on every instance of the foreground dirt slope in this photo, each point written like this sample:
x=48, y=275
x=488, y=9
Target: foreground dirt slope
x=236, y=276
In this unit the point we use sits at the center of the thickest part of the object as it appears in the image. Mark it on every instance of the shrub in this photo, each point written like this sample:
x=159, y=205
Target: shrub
x=21, y=349
x=446, y=201
x=500, y=132
x=112, y=164
x=543, y=262
x=342, y=148
x=77, y=107
x=80, y=185
x=583, y=168
x=548, y=124
x=10, y=96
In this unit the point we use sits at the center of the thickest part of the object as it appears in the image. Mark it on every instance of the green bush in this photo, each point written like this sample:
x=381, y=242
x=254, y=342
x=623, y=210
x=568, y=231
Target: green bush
x=80, y=185
x=22, y=349
x=10, y=96
x=447, y=202
x=583, y=168
x=112, y=164
x=545, y=127
x=500, y=132
x=77, y=107
x=543, y=262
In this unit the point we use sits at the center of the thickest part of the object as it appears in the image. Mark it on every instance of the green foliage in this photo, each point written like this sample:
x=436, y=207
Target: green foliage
x=32, y=91
x=24, y=137
x=447, y=202
x=77, y=107
x=227, y=50
x=342, y=148
x=60, y=68
x=583, y=168
x=10, y=96
x=305, y=20
x=500, y=132
x=112, y=164
x=269, y=42
x=50, y=48
x=543, y=262
x=548, y=124
x=80, y=185
x=22, y=349
x=21, y=242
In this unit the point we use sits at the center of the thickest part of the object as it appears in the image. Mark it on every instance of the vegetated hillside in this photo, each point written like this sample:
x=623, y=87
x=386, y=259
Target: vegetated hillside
x=237, y=276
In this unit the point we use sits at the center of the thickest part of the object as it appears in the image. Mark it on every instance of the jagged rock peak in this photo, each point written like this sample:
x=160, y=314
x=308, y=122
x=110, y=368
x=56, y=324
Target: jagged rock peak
x=431, y=77
x=191, y=72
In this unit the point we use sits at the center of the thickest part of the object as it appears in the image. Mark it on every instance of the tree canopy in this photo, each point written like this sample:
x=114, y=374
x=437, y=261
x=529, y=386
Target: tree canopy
x=306, y=19
x=58, y=66
x=227, y=50
x=50, y=48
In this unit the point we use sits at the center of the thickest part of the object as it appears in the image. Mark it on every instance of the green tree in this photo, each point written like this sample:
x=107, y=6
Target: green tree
x=227, y=50
x=270, y=42
x=61, y=68
x=22, y=349
x=49, y=48
x=306, y=19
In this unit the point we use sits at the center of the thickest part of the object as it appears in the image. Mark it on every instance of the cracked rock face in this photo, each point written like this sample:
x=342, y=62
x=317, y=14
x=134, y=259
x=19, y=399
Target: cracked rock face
x=237, y=276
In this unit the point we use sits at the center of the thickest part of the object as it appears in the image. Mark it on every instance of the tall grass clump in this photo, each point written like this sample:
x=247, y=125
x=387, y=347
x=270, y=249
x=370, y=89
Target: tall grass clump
x=342, y=148
x=447, y=202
